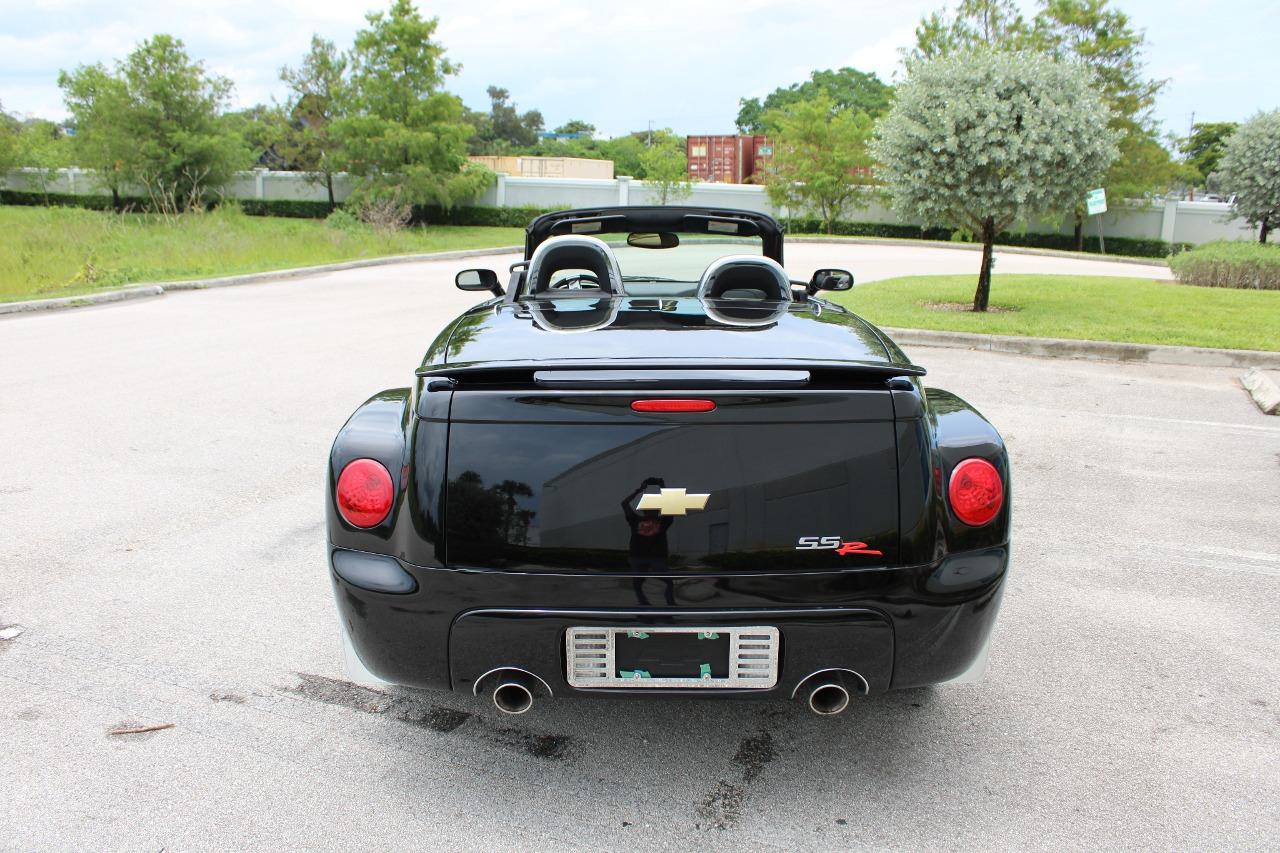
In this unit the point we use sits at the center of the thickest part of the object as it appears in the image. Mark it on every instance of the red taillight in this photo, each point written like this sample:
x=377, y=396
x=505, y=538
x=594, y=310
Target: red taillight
x=976, y=492
x=364, y=493
x=673, y=406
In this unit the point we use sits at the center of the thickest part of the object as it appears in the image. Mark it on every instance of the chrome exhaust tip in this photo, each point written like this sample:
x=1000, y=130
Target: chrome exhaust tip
x=828, y=699
x=512, y=697
x=829, y=691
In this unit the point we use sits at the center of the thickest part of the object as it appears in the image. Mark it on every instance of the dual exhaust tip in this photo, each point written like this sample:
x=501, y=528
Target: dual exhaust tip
x=827, y=692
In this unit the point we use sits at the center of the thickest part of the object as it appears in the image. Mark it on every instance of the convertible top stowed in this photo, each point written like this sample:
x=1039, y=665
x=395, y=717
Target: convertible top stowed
x=658, y=464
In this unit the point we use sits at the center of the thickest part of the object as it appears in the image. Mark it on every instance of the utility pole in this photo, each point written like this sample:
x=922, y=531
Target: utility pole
x=1191, y=130
x=649, y=144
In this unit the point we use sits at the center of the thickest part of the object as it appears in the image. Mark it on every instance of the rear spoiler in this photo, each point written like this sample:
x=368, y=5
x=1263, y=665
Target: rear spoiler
x=652, y=370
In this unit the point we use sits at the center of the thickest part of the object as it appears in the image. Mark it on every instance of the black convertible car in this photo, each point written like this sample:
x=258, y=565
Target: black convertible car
x=655, y=465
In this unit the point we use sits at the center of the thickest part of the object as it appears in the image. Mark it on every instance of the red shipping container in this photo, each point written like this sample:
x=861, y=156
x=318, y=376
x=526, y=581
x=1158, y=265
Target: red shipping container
x=725, y=158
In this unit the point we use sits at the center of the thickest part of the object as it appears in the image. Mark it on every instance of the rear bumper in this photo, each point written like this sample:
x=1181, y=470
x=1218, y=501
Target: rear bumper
x=901, y=627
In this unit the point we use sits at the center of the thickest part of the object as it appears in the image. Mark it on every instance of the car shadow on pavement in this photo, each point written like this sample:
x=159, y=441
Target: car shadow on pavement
x=707, y=759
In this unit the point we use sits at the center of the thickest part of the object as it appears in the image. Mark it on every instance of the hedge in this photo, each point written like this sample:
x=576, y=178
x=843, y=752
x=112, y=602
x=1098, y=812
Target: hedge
x=1229, y=263
x=1115, y=245
x=519, y=217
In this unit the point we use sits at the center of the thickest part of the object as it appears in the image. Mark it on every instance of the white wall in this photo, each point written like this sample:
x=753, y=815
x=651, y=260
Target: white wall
x=1184, y=221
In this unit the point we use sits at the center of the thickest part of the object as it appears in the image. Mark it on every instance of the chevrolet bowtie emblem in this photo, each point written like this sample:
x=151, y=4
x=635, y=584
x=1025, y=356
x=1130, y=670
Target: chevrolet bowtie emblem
x=672, y=502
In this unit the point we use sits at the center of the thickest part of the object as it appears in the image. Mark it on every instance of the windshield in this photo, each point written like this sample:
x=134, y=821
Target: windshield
x=669, y=272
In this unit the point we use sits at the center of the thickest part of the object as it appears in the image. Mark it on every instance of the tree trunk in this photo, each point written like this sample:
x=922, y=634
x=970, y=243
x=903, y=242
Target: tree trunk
x=983, y=293
x=328, y=182
x=1079, y=234
x=1264, y=230
x=115, y=200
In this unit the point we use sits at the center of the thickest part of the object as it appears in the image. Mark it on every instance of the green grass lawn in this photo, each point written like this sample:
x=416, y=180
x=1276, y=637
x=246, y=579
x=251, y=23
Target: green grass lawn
x=1088, y=308
x=62, y=251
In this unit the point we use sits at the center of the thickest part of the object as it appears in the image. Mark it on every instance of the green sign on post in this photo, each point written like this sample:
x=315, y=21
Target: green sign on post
x=1095, y=201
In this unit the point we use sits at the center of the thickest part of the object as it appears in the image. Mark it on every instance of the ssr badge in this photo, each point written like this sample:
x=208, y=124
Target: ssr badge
x=835, y=543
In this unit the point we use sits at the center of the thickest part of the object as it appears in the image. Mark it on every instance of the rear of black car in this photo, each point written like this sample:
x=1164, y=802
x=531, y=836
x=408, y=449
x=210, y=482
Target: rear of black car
x=735, y=531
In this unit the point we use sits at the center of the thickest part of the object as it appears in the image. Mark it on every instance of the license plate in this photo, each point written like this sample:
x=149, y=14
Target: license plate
x=673, y=657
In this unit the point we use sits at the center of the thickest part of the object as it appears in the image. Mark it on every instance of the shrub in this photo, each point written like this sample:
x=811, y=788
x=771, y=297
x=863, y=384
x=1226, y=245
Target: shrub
x=1229, y=263
x=343, y=220
x=291, y=208
x=384, y=214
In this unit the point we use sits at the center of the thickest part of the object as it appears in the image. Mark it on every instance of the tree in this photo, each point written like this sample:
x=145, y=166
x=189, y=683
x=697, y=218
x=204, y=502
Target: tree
x=846, y=88
x=404, y=134
x=981, y=140
x=1204, y=147
x=317, y=98
x=261, y=130
x=665, y=168
x=575, y=125
x=976, y=24
x=1104, y=41
x=41, y=148
x=820, y=160
x=156, y=120
x=509, y=126
x=503, y=129
x=8, y=142
x=625, y=152
x=97, y=101
x=1250, y=167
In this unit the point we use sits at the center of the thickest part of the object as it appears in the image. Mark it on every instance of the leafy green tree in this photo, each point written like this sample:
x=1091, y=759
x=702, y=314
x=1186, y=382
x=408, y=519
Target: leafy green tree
x=8, y=142
x=575, y=125
x=845, y=88
x=626, y=152
x=41, y=148
x=160, y=114
x=261, y=130
x=665, y=167
x=98, y=101
x=985, y=139
x=1104, y=40
x=1250, y=168
x=976, y=24
x=509, y=126
x=503, y=129
x=820, y=158
x=318, y=97
x=404, y=134
x=1204, y=147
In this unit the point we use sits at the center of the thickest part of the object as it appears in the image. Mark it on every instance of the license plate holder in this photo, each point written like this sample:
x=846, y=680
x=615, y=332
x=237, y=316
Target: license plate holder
x=616, y=657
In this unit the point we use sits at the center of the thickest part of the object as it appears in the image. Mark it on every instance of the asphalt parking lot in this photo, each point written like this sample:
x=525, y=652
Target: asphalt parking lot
x=162, y=551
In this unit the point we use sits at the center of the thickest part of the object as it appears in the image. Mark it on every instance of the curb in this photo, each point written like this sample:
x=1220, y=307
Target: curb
x=139, y=291
x=1263, y=391
x=1095, y=350
x=977, y=247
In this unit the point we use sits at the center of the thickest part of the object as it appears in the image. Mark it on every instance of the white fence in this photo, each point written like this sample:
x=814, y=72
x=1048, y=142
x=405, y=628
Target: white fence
x=1172, y=221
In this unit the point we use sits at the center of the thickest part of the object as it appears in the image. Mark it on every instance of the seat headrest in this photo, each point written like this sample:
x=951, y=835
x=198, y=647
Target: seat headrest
x=745, y=277
x=574, y=252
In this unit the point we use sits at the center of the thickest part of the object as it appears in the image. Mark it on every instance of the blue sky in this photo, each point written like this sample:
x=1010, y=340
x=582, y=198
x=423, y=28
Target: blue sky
x=679, y=64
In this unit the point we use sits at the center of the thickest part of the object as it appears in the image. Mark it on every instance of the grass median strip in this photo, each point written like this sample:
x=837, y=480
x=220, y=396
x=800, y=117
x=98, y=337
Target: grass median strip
x=1094, y=308
x=55, y=251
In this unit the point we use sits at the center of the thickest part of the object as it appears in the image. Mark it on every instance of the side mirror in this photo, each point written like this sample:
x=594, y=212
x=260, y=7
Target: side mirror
x=478, y=279
x=830, y=280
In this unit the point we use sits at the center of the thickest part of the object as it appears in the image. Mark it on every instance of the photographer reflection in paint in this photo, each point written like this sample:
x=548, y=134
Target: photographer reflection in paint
x=647, y=550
